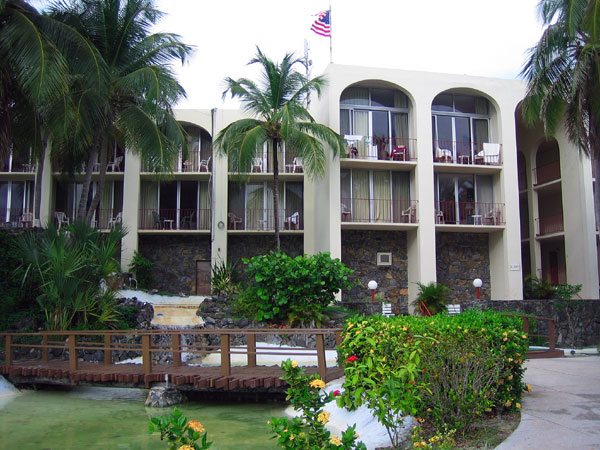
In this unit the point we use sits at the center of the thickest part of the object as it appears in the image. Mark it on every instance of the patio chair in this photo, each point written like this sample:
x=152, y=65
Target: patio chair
x=493, y=217
x=346, y=213
x=188, y=220
x=114, y=221
x=115, y=166
x=205, y=164
x=234, y=221
x=298, y=163
x=292, y=221
x=257, y=163
x=443, y=155
x=490, y=155
x=61, y=219
x=439, y=216
x=26, y=220
x=410, y=214
x=159, y=222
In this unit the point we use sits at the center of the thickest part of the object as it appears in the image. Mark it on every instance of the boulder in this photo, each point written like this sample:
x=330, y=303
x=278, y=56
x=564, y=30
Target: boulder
x=164, y=396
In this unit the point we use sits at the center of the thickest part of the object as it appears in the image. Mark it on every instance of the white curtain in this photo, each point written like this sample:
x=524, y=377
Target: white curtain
x=400, y=193
x=361, y=128
x=485, y=189
x=106, y=205
x=149, y=203
x=255, y=206
x=204, y=207
x=360, y=195
x=383, y=196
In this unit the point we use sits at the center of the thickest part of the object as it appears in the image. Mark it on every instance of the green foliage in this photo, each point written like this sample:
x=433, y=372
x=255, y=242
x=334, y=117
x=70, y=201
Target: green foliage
x=441, y=440
x=572, y=308
x=179, y=433
x=534, y=287
x=296, y=290
x=308, y=431
x=434, y=296
x=143, y=269
x=74, y=267
x=225, y=280
x=450, y=369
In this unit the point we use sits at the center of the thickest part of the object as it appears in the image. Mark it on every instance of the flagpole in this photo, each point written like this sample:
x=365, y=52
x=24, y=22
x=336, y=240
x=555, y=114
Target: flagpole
x=330, y=35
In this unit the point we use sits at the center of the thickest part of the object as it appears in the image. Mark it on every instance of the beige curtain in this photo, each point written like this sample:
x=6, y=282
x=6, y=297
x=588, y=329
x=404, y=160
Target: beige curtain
x=400, y=194
x=361, y=128
x=355, y=96
x=400, y=100
x=255, y=206
x=481, y=106
x=360, y=195
x=383, y=196
x=204, y=207
x=106, y=205
x=149, y=203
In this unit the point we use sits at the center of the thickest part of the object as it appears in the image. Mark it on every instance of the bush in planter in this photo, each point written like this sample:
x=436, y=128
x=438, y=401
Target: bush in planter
x=225, y=280
x=451, y=369
x=434, y=296
x=296, y=290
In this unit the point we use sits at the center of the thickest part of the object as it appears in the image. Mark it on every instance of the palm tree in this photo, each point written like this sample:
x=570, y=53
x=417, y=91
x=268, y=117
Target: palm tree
x=134, y=110
x=563, y=75
x=280, y=117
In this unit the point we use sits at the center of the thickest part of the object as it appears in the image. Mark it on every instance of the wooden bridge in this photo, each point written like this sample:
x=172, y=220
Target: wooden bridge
x=52, y=357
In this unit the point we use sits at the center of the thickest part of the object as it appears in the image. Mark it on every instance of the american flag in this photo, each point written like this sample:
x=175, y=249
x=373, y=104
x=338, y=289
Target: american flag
x=322, y=25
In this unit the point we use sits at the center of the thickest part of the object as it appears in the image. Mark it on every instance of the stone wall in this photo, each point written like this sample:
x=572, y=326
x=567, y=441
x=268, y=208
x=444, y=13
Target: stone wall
x=462, y=257
x=359, y=253
x=585, y=316
x=247, y=246
x=174, y=259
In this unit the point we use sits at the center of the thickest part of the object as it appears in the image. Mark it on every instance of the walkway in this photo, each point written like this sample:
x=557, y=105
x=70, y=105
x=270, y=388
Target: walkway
x=563, y=409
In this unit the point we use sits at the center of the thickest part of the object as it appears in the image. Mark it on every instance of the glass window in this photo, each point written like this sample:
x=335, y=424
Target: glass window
x=355, y=96
x=345, y=122
x=464, y=104
x=442, y=102
x=382, y=97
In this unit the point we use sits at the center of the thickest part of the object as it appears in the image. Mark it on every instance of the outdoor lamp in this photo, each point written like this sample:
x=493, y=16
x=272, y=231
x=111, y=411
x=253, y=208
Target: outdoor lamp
x=477, y=283
x=372, y=285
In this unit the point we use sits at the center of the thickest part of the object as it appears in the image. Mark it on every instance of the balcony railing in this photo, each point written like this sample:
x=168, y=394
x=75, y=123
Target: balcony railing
x=550, y=224
x=469, y=213
x=378, y=148
x=287, y=162
x=372, y=210
x=196, y=161
x=15, y=218
x=466, y=152
x=174, y=219
x=547, y=172
x=259, y=219
x=11, y=164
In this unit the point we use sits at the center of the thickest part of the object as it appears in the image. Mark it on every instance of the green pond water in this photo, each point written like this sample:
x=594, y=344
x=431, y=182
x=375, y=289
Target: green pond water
x=112, y=418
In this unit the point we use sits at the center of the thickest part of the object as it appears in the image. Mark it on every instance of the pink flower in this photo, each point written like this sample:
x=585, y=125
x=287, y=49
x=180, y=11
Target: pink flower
x=336, y=393
x=352, y=359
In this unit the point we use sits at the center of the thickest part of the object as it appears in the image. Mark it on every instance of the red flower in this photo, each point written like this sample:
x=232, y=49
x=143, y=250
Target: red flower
x=336, y=393
x=352, y=359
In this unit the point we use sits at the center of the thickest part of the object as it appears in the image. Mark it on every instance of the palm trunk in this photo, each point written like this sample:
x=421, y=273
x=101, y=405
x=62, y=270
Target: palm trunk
x=101, y=180
x=276, y=193
x=594, y=140
x=37, y=194
x=87, y=182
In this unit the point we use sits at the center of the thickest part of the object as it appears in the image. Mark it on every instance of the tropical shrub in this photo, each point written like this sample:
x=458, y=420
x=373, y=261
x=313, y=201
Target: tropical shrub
x=450, y=369
x=308, y=431
x=179, y=432
x=225, y=280
x=74, y=267
x=538, y=288
x=143, y=269
x=434, y=296
x=296, y=290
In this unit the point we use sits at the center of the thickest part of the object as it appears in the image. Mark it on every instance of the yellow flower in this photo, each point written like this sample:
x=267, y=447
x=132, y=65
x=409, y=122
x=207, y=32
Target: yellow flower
x=510, y=360
x=529, y=387
x=196, y=426
x=518, y=405
x=508, y=403
x=524, y=336
x=323, y=417
x=292, y=437
x=294, y=364
x=186, y=447
x=319, y=384
x=335, y=441
x=505, y=334
x=505, y=339
x=510, y=377
x=371, y=351
x=356, y=435
x=404, y=329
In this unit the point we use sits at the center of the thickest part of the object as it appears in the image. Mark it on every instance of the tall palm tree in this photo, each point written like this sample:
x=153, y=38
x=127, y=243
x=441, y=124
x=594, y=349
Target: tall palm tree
x=563, y=75
x=135, y=109
x=279, y=116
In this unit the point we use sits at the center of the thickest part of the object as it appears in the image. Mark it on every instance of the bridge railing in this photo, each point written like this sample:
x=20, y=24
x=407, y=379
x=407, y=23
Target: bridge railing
x=147, y=342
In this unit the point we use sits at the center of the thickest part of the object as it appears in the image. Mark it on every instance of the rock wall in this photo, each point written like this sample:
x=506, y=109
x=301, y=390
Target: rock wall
x=247, y=246
x=462, y=257
x=174, y=259
x=359, y=253
x=585, y=315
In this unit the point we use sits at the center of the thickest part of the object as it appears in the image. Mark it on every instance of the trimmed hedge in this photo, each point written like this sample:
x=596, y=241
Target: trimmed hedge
x=452, y=369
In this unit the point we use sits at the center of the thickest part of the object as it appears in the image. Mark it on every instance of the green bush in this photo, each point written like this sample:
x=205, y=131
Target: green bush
x=179, y=432
x=536, y=288
x=143, y=269
x=225, y=280
x=296, y=290
x=434, y=296
x=451, y=369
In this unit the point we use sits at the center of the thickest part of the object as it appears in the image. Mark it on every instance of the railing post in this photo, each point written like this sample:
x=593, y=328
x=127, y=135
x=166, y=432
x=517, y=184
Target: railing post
x=321, y=363
x=551, y=336
x=8, y=350
x=525, y=324
x=146, y=355
x=338, y=338
x=72, y=343
x=176, y=346
x=225, y=356
x=45, y=348
x=251, y=341
x=107, y=350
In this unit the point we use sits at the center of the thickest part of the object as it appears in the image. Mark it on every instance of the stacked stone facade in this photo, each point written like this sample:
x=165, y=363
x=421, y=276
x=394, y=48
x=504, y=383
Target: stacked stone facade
x=462, y=257
x=359, y=253
x=247, y=246
x=174, y=259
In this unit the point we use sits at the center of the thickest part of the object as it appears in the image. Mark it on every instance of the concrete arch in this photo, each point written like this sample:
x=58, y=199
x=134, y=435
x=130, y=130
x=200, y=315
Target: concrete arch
x=382, y=84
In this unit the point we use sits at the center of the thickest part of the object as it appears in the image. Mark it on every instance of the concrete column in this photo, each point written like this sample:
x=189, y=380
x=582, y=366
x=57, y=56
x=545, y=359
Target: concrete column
x=535, y=249
x=578, y=218
x=46, y=204
x=505, y=247
x=219, y=187
x=131, y=202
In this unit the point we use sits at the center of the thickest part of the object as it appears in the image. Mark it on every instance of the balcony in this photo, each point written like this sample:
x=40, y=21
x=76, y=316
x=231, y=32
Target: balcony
x=385, y=211
x=259, y=219
x=12, y=164
x=287, y=162
x=465, y=152
x=15, y=218
x=377, y=148
x=469, y=213
x=550, y=224
x=197, y=161
x=174, y=219
x=546, y=173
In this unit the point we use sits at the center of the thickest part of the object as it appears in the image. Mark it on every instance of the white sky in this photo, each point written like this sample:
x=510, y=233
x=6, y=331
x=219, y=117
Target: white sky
x=475, y=37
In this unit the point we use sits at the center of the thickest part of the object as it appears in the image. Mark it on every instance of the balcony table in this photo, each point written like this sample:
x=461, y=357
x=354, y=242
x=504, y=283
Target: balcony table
x=168, y=222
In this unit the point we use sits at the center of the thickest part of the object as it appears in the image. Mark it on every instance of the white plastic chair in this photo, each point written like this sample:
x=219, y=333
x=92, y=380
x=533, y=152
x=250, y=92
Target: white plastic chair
x=443, y=154
x=346, y=213
x=61, y=219
x=116, y=164
x=292, y=221
x=257, y=163
x=113, y=221
x=410, y=213
x=204, y=164
x=489, y=155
